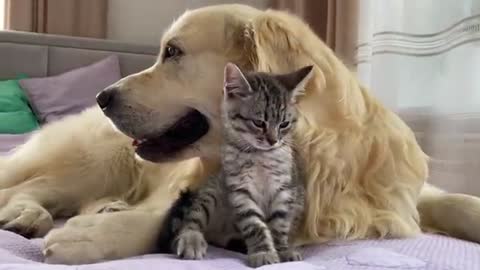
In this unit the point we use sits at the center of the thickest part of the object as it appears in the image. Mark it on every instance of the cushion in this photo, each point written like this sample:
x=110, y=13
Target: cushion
x=16, y=117
x=71, y=92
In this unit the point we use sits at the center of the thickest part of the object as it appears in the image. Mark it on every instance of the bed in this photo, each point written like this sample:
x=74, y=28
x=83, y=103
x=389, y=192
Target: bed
x=45, y=55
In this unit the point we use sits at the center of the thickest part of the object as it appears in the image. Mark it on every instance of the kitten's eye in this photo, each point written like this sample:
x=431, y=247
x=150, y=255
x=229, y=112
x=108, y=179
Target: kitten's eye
x=171, y=52
x=285, y=124
x=258, y=123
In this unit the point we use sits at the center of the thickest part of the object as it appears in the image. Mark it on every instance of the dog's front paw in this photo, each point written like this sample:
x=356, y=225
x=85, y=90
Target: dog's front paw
x=26, y=218
x=94, y=238
x=69, y=245
x=263, y=258
x=191, y=245
x=290, y=255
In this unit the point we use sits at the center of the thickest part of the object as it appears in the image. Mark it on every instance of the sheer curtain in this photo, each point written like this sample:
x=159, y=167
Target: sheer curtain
x=2, y=14
x=422, y=59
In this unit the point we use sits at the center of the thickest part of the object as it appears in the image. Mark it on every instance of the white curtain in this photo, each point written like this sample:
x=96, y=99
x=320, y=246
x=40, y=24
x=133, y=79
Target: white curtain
x=422, y=59
x=2, y=14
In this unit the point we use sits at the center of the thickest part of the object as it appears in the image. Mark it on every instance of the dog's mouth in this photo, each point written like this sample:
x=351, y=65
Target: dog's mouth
x=181, y=134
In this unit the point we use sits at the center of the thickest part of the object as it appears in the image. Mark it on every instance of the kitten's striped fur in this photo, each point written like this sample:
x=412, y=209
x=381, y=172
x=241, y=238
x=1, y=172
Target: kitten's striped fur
x=257, y=197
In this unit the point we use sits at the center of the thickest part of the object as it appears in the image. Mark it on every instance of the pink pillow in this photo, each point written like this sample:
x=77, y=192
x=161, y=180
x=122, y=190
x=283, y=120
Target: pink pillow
x=71, y=92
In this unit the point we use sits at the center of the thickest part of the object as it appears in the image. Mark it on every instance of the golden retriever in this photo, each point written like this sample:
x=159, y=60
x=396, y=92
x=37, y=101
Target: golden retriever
x=364, y=171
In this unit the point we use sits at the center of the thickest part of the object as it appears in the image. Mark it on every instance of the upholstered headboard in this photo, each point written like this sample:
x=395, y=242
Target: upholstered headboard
x=40, y=55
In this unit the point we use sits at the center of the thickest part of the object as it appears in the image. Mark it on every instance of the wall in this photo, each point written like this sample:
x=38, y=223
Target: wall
x=144, y=21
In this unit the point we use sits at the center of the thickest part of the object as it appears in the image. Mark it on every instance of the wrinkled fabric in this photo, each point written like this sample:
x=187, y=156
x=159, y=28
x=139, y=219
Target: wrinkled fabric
x=432, y=252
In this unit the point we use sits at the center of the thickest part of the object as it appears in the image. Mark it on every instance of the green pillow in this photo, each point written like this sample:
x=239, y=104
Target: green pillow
x=16, y=117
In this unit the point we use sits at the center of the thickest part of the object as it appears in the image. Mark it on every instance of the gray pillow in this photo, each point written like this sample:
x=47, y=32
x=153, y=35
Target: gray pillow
x=71, y=92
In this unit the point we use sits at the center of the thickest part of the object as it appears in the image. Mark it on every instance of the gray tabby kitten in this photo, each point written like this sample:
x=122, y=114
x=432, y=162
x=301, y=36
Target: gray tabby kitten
x=256, y=198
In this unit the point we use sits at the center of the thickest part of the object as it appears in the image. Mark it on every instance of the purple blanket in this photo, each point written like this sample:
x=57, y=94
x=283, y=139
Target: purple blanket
x=431, y=252
x=424, y=252
x=9, y=141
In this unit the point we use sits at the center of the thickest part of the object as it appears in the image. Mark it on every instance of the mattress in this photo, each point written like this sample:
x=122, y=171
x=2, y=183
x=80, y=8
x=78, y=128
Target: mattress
x=423, y=252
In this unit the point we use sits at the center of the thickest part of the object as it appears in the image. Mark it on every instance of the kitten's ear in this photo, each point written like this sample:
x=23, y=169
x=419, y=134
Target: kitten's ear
x=234, y=82
x=296, y=81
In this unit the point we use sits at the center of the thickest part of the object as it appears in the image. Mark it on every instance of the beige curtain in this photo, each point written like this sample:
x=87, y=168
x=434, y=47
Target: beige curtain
x=317, y=13
x=332, y=20
x=85, y=18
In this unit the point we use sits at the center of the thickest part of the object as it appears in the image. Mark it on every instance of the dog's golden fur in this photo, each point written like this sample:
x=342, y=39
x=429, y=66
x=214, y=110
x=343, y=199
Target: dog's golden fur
x=364, y=171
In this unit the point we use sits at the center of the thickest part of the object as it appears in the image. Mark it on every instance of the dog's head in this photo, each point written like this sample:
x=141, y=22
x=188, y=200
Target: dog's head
x=172, y=110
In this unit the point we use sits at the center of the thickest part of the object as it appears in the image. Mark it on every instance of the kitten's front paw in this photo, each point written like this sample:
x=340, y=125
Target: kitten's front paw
x=290, y=255
x=263, y=258
x=191, y=245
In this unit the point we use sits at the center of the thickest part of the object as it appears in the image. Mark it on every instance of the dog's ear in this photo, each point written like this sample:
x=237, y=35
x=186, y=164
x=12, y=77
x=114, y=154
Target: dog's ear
x=234, y=82
x=296, y=81
x=281, y=44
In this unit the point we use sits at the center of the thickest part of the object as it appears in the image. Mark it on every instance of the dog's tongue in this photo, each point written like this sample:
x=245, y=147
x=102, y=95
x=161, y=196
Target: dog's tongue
x=135, y=142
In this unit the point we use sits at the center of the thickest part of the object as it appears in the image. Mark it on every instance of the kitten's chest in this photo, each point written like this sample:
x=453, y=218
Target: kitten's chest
x=261, y=182
x=262, y=174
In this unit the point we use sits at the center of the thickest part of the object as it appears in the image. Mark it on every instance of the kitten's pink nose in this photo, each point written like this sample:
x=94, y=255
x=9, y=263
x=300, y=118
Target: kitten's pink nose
x=272, y=137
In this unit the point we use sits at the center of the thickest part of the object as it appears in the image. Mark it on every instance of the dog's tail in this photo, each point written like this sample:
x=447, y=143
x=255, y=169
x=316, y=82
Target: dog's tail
x=456, y=215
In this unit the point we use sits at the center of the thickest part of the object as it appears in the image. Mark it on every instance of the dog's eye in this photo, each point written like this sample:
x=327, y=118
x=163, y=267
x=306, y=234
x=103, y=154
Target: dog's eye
x=171, y=52
x=285, y=124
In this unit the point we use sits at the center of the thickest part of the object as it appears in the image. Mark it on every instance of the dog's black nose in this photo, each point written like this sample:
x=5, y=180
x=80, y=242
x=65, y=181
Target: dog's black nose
x=105, y=97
